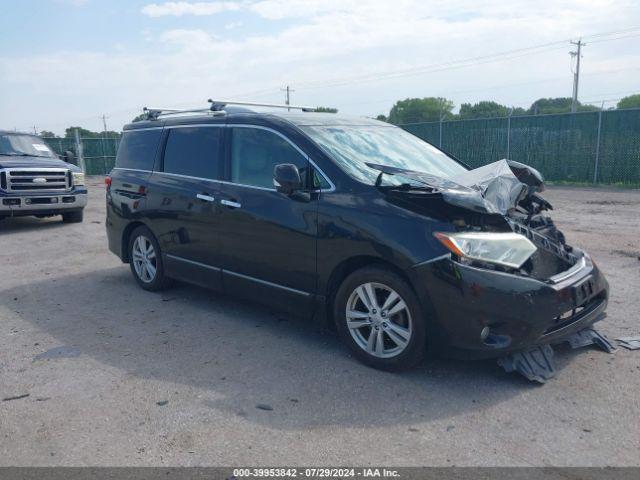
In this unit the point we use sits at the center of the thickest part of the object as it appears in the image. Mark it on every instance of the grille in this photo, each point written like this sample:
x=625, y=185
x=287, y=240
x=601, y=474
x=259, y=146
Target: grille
x=35, y=180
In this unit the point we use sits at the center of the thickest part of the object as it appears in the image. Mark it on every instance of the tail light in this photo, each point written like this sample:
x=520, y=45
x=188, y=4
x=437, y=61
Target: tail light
x=107, y=182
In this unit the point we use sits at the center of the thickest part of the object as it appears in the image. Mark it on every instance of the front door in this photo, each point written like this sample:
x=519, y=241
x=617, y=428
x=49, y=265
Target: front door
x=268, y=239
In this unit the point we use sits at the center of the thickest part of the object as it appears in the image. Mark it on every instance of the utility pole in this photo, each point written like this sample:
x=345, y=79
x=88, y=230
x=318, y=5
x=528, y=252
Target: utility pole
x=576, y=75
x=287, y=100
x=104, y=137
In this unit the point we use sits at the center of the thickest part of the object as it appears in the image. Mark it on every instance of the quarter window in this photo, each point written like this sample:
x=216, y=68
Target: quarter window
x=137, y=149
x=193, y=151
x=255, y=153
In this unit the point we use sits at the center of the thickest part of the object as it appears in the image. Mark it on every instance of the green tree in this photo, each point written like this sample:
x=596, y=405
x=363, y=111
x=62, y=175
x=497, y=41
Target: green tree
x=84, y=133
x=632, y=101
x=47, y=134
x=557, y=105
x=139, y=118
x=483, y=109
x=326, y=110
x=414, y=110
x=382, y=118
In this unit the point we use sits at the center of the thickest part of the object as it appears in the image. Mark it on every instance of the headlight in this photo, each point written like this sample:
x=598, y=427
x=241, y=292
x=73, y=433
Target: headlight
x=509, y=249
x=78, y=178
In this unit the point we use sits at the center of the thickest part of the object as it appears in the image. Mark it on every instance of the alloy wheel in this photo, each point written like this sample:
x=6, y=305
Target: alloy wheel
x=379, y=320
x=144, y=259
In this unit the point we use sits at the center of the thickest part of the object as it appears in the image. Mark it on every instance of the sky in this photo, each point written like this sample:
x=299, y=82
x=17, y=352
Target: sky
x=69, y=62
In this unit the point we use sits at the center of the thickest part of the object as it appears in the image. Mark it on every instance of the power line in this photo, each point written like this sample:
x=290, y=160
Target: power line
x=472, y=61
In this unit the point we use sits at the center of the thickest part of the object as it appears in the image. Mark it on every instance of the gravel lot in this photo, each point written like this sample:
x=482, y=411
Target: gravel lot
x=119, y=376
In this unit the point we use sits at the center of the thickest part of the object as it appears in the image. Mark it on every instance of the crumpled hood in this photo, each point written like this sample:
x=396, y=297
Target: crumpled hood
x=494, y=188
x=35, y=162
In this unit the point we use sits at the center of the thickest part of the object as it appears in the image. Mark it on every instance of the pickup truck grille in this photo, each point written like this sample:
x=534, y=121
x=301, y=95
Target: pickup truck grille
x=35, y=180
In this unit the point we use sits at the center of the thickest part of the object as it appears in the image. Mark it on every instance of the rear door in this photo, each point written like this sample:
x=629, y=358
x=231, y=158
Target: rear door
x=268, y=239
x=183, y=202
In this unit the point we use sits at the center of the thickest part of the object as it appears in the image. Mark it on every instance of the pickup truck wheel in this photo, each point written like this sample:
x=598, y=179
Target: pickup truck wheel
x=145, y=260
x=379, y=317
x=73, y=217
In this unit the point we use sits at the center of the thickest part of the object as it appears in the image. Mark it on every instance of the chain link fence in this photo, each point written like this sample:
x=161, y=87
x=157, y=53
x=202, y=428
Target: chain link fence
x=98, y=154
x=586, y=147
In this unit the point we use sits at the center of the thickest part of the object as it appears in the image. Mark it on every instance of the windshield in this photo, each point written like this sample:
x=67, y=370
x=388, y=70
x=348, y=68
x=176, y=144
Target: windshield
x=23, y=145
x=354, y=146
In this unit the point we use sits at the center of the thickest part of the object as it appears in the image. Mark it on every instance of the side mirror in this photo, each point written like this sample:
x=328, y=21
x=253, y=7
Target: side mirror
x=69, y=157
x=286, y=178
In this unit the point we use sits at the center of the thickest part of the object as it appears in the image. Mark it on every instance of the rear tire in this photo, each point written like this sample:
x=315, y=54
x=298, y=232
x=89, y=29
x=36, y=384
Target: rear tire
x=145, y=260
x=379, y=317
x=73, y=217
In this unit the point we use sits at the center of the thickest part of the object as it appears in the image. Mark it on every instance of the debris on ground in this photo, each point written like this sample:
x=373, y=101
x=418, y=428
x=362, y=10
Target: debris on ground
x=589, y=336
x=264, y=406
x=538, y=365
x=162, y=403
x=16, y=397
x=630, y=343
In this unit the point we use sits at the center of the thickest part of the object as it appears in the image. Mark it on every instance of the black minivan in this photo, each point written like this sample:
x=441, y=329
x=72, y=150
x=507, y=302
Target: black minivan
x=354, y=221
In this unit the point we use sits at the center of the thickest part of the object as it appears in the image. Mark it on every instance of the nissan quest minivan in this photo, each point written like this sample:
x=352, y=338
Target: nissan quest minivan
x=351, y=221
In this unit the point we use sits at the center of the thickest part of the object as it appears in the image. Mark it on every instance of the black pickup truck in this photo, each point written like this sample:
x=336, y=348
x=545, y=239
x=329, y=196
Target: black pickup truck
x=35, y=181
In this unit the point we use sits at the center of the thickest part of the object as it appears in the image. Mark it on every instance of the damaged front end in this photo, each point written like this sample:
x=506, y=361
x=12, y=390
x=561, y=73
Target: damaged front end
x=511, y=286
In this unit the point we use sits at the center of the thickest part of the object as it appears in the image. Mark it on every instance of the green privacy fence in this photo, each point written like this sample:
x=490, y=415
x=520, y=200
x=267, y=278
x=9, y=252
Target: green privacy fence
x=99, y=154
x=599, y=147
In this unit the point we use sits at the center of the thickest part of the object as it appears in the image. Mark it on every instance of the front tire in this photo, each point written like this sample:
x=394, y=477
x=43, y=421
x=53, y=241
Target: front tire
x=379, y=317
x=73, y=217
x=145, y=260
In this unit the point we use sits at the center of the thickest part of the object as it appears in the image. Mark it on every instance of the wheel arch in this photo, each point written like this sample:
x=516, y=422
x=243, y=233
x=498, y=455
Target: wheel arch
x=126, y=235
x=346, y=268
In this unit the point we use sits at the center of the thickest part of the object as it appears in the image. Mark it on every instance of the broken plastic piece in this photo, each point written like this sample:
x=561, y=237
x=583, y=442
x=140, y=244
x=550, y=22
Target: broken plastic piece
x=631, y=343
x=589, y=336
x=536, y=365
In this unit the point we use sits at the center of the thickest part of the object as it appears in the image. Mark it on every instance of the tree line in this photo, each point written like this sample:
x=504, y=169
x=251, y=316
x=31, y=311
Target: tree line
x=84, y=133
x=427, y=109
x=434, y=109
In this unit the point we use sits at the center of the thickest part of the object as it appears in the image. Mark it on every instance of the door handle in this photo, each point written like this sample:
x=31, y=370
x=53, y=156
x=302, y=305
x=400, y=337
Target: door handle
x=231, y=204
x=206, y=198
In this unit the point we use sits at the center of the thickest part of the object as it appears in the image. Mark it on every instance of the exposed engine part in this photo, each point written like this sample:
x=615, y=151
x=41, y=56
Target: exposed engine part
x=544, y=242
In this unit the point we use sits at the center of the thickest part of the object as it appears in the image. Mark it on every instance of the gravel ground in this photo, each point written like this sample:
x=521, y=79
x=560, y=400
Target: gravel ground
x=119, y=376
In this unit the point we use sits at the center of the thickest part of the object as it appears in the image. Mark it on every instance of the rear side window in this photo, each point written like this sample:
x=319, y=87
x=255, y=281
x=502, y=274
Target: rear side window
x=137, y=149
x=254, y=154
x=193, y=151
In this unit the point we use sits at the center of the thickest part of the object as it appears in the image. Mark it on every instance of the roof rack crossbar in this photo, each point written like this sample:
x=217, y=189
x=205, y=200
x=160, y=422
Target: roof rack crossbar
x=154, y=113
x=217, y=105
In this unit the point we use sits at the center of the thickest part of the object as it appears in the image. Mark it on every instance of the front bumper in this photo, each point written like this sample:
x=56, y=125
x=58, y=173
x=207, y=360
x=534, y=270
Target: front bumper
x=520, y=312
x=42, y=203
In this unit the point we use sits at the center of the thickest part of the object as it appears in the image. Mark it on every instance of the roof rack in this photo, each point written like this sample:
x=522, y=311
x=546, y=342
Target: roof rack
x=218, y=105
x=217, y=108
x=155, y=113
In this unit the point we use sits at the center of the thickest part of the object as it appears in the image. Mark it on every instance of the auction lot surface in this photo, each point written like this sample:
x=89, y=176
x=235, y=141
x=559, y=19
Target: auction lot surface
x=119, y=376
